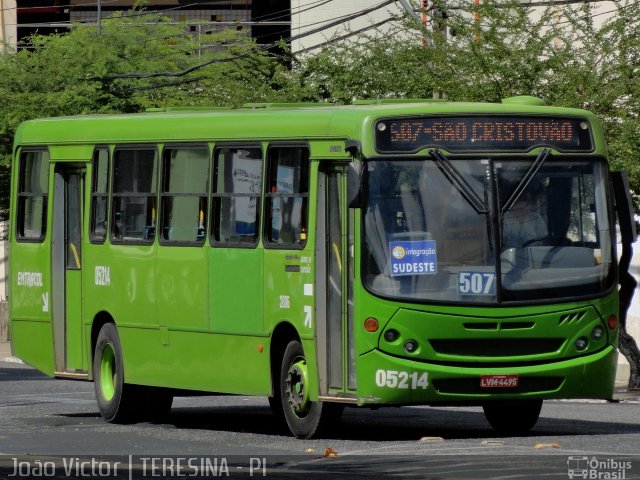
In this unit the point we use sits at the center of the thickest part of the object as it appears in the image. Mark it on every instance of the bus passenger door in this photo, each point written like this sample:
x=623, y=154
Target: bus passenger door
x=66, y=254
x=334, y=253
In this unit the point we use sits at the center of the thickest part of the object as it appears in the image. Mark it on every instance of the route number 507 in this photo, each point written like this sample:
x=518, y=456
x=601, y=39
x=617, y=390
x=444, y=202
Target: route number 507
x=401, y=380
x=476, y=283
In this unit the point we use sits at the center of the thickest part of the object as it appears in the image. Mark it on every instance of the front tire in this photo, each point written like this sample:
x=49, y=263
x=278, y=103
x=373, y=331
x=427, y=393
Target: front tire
x=117, y=401
x=513, y=417
x=303, y=416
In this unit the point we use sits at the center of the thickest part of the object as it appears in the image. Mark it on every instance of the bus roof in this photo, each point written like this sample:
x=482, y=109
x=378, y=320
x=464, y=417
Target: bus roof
x=258, y=121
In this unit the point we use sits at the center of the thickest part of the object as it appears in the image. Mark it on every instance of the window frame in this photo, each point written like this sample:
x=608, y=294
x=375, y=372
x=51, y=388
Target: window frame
x=163, y=171
x=113, y=195
x=19, y=221
x=268, y=244
x=95, y=194
x=214, y=195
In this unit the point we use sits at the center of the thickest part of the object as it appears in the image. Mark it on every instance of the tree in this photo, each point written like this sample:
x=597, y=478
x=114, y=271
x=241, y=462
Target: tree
x=139, y=60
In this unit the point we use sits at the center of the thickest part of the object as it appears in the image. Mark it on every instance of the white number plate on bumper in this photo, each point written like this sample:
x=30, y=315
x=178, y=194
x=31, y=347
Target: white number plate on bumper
x=499, y=381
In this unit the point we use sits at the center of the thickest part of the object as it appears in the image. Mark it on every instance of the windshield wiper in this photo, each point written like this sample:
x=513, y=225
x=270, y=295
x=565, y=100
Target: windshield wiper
x=458, y=180
x=526, y=180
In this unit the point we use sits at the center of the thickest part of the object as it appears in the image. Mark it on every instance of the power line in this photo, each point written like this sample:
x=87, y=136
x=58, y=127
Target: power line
x=310, y=6
x=245, y=55
x=255, y=22
x=348, y=35
x=343, y=37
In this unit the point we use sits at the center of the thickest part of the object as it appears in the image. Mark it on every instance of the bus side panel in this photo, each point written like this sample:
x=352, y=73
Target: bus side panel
x=197, y=361
x=290, y=297
x=120, y=280
x=30, y=308
x=182, y=287
x=130, y=288
x=32, y=342
x=235, y=291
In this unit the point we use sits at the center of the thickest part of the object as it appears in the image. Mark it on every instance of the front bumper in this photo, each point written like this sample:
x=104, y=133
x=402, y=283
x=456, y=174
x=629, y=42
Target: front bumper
x=385, y=379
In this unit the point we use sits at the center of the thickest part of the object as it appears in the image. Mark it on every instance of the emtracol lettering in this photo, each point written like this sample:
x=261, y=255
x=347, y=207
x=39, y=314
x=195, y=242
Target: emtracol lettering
x=30, y=279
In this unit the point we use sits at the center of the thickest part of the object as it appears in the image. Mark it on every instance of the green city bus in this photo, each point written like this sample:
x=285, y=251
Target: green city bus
x=383, y=253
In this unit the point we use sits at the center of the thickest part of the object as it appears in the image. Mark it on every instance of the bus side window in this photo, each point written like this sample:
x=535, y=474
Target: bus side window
x=287, y=196
x=32, y=196
x=134, y=195
x=99, y=196
x=237, y=183
x=185, y=180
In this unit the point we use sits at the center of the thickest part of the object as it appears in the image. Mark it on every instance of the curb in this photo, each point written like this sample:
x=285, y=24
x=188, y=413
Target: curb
x=11, y=360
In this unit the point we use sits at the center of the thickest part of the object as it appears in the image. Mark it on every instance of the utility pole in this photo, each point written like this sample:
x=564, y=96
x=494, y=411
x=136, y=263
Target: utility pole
x=409, y=9
x=476, y=17
x=3, y=27
x=99, y=17
x=423, y=16
x=8, y=25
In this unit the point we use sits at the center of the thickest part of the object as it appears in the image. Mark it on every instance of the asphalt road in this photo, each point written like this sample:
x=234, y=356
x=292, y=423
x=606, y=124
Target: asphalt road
x=52, y=429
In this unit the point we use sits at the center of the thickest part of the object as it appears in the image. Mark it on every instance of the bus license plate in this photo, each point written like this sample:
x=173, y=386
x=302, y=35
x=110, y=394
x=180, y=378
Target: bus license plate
x=499, y=381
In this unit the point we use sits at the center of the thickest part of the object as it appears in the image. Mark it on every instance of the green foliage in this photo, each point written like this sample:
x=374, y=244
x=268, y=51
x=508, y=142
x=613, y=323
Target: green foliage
x=82, y=72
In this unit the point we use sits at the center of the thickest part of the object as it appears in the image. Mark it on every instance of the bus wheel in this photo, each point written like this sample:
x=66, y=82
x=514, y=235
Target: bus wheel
x=118, y=402
x=513, y=417
x=302, y=415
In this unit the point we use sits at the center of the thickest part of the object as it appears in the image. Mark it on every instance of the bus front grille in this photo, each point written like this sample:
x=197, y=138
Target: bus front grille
x=507, y=347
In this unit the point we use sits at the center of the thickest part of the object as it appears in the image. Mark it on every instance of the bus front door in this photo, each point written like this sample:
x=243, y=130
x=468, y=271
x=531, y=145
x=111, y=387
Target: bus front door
x=66, y=255
x=334, y=280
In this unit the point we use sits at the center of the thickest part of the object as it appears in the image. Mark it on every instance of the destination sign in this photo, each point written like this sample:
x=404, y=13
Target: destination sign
x=483, y=133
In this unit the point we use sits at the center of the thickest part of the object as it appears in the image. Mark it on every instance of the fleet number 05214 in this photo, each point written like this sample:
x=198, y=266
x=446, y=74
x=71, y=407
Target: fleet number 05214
x=401, y=380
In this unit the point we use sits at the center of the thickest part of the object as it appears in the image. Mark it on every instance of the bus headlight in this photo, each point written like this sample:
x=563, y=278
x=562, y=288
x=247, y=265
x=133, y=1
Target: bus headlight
x=411, y=346
x=391, y=335
x=597, y=333
x=582, y=343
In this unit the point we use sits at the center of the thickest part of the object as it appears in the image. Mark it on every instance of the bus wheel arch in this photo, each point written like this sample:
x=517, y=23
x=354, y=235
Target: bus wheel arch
x=282, y=335
x=98, y=322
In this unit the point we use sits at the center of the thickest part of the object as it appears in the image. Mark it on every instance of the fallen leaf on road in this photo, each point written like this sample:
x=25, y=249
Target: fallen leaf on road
x=547, y=445
x=330, y=452
x=492, y=442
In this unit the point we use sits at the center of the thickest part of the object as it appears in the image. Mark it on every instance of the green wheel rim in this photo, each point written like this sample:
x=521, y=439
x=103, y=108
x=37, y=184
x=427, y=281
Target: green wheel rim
x=296, y=387
x=108, y=372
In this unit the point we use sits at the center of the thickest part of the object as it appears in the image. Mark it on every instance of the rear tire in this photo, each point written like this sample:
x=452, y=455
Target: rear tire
x=117, y=401
x=304, y=417
x=513, y=417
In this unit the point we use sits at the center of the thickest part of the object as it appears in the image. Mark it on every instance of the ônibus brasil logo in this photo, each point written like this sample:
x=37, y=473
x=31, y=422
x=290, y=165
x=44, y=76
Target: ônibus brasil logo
x=594, y=468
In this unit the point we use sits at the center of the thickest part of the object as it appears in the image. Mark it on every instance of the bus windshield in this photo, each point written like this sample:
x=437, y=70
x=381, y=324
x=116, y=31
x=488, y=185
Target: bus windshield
x=476, y=230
